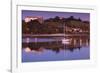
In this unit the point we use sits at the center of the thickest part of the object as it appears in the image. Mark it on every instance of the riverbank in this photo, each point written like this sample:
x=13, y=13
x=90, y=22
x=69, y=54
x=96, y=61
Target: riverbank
x=53, y=35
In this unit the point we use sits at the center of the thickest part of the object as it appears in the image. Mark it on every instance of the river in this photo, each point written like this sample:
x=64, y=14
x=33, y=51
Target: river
x=55, y=49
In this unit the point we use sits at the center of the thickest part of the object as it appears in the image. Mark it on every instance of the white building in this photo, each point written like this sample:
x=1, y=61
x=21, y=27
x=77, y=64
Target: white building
x=29, y=18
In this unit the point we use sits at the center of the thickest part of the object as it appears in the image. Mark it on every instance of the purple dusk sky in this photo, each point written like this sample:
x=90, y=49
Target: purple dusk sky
x=51, y=14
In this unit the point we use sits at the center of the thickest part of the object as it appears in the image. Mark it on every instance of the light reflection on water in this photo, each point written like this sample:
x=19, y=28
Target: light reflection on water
x=52, y=49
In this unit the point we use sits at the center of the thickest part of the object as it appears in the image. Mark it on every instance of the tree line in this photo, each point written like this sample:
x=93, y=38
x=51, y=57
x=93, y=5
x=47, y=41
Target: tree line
x=55, y=25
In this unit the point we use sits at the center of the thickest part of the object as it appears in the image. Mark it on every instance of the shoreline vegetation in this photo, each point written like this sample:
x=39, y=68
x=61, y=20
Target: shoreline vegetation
x=55, y=26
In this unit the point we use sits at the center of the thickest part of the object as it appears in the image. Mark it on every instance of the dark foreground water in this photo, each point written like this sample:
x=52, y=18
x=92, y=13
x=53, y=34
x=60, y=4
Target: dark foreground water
x=55, y=49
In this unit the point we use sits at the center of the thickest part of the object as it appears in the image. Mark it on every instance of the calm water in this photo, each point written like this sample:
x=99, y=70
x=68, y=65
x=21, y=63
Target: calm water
x=54, y=49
